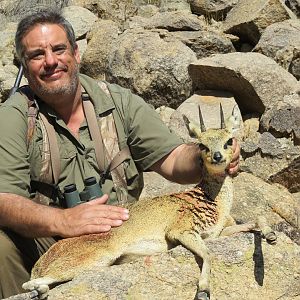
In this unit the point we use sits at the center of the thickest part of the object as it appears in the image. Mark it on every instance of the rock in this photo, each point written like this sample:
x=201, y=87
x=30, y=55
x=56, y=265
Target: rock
x=81, y=19
x=209, y=102
x=294, y=5
x=249, y=18
x=216, y=9
x=153, y=66
x=256, y=81
x=147, y=11
x=165, y=113
x=174, y=5
x=281, y=41
x=16, y=10
x=254, y=197
x=24, y=296
x=289, y=176
x=172, y=21
x=283, y=120
x=8, y=76
x=7, y=46
x=118, y=11
x=205, y=42
x=95, y=60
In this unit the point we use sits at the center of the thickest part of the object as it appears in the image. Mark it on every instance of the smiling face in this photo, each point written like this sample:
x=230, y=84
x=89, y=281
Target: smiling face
x=51, y=64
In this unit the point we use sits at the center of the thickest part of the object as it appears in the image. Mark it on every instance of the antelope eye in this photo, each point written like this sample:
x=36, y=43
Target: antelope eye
x=203, y=148
x=228, y=143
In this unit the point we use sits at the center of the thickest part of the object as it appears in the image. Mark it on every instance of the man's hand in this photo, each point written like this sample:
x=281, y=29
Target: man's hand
x=91, y=217
x=234, y=165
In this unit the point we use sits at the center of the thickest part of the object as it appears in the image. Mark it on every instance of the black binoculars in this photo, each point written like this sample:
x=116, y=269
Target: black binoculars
x=91, y=191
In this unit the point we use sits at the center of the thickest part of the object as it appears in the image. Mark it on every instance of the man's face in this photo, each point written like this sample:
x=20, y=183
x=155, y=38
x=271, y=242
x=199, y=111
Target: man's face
x=51, y=67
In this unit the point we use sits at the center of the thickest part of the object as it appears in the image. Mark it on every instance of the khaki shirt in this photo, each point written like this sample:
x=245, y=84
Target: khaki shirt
x=147, y=137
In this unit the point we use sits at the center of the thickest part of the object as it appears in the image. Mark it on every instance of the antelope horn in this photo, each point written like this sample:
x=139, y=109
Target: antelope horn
x=222, y=117
x=202, y=126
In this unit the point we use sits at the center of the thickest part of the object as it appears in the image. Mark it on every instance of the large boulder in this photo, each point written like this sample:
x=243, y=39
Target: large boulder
x=95, y=59
x=172, y=21
x=81, y=19
x=152, y=66
x=205, y=42
x=216, y=9
x=253, y=197
x=281, y=41
x=256, y=81
x=249, y=18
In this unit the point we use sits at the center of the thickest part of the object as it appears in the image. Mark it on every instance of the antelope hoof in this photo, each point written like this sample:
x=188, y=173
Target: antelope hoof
x=33, y=295
x=202, y=296
x=271, y=237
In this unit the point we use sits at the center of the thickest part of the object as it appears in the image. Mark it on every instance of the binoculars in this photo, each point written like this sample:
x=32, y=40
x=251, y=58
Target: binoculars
x=91, y=191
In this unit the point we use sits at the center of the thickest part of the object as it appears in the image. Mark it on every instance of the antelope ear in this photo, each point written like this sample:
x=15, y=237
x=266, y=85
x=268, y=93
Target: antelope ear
x=233, y=123
x=194, y=131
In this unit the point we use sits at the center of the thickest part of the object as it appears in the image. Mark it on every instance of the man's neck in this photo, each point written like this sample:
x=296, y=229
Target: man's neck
x=69, y=108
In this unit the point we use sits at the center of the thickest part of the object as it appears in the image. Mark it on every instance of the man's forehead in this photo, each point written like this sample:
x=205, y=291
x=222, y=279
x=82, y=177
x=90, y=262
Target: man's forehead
x=45, y=33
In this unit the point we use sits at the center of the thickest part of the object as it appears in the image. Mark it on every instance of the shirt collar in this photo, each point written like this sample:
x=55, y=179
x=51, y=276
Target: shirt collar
x=101, y=101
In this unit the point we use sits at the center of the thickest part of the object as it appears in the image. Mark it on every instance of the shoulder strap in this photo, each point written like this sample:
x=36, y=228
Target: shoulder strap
x=109, y=148
x=94, y=131
x=51, y=142
x=50, y=163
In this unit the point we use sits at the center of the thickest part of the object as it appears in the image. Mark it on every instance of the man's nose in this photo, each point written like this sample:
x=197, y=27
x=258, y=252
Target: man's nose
x=50, y=59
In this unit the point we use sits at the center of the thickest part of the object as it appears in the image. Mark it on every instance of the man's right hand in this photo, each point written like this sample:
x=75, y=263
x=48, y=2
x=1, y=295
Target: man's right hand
x=91, y=217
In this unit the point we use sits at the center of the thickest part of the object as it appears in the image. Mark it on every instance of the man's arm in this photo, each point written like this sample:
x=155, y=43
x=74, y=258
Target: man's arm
x=183, y=165
x=35, y=220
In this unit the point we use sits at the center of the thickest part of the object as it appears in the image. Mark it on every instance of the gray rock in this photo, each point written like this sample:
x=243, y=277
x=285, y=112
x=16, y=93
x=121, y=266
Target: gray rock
x=16, y=10
x=209, y=102
x=283, y=120
x=153, y=66
x=265, y=166
x=216, y=9
x=249, y=18
x=281, y=41
x=7, y=38
x=118, y=11
x=147, y=11
x=256, y=81
x=294, y=5
x=205, y=42
x=174, y=5
x=289, y=176
x=172, y=21
x=81, y=19
x=95, y=59
x=254, y=197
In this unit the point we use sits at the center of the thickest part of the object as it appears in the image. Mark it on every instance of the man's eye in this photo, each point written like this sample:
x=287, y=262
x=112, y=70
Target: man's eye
x=37, y=56
x=59, y=51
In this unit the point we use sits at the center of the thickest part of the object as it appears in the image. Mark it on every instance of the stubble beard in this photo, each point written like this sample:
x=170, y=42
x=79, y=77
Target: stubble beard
x=66, y=88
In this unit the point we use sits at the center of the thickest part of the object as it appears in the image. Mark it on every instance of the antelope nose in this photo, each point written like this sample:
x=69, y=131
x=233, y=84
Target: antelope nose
x=217, y=156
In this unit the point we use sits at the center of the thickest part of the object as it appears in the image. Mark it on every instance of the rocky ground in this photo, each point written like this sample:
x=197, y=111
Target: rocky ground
x=177, y=54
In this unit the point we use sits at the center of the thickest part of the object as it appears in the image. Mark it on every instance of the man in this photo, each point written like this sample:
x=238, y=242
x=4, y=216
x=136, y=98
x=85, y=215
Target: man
x=46, y=47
